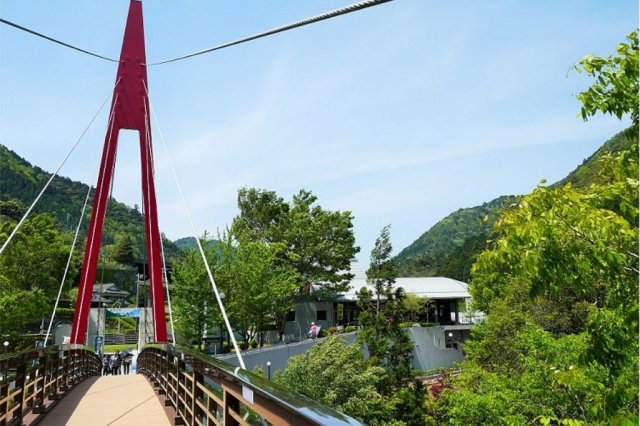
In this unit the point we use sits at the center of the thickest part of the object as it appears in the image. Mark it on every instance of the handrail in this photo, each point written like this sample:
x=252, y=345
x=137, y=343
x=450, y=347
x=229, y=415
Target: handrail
x=206, y=391
x=32, y=380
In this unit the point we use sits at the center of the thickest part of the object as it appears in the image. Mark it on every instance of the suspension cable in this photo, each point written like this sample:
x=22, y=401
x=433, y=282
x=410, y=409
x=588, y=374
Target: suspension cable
x=75, y=237
x=164, y=260
x=323, y=16
x=15, y=230
x=199, y=244
x=166, y=279
x=66, y=270
x=20, y=27
x=91, y=238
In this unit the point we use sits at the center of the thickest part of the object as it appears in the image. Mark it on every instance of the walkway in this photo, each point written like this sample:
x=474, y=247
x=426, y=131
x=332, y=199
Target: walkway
x=109, y=400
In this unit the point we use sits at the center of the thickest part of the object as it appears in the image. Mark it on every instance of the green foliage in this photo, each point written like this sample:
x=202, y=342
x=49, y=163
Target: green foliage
x=194, y=305
x=12, y=209
x=388, y=345
x=615, y=89
x=21, y=182
x=560, y=284
x=412, y=306
x=123, y=250
x=449, y=247
x=259, y=290
x=319, y=244
x=31, y=268
x=337, y=375
x=382, y=273
x=542, y=375
x=591, y=170
x=65, y=312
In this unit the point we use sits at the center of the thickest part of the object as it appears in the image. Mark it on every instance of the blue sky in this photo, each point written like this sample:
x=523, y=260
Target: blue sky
x=401, y=114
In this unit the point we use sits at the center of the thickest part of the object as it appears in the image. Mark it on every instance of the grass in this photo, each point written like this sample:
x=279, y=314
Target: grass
x=113, y=348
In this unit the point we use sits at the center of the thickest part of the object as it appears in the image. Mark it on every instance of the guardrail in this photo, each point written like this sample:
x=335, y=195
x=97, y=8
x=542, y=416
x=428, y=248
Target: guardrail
x=32, y=380
x=204, y=391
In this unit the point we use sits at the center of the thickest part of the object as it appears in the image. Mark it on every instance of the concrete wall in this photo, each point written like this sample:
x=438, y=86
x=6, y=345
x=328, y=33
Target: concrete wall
x=430, y=351
x=278, y=355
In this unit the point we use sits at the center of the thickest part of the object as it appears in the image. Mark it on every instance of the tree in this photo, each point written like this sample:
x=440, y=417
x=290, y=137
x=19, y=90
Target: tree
x=319, y=244
x=13, y=209
x=381, y=274
x=412, y=306
x=336, y=374
x=123, y=251
x=615, y=90
x=195, y=309
x=31, y=268
x=388, y=345
x=259, y=290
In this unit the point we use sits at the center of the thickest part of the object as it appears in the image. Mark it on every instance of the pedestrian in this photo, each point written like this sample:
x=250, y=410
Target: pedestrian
x=313, y=331
x=114, y=363
x=105, y=365
x=126, y=363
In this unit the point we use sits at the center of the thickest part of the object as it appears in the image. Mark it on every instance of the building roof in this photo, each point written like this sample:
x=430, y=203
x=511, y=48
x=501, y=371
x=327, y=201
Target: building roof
x=109, y=290
x=429, y=287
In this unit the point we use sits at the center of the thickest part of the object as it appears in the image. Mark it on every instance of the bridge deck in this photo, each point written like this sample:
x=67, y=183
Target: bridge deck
x=109, y=400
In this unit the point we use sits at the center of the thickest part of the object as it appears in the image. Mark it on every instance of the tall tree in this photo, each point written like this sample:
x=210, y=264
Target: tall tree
x=259, y=290
x=195, y=309
x=318, y=243
x=388, y=345
x=381, y=274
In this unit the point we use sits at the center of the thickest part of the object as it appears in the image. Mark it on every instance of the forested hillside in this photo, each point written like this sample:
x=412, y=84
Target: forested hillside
x=19, y=180
x=450, y=247
x=463, y=232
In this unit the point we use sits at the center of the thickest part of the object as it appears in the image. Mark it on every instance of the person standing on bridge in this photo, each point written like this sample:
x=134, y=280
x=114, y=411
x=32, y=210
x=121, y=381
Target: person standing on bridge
x=105, y=365
x=126, y=363
x=114, y=363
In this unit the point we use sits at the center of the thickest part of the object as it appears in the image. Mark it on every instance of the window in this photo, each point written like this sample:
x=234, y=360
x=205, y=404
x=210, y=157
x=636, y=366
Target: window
x=291, y=316
x=321, y=315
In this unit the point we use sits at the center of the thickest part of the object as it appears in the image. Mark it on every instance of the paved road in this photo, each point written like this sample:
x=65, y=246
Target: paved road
x=109, y=400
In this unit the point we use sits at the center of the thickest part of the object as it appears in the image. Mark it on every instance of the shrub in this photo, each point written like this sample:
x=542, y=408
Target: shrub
x=253, y=343
x=350, y=328
x=332, y=330
x=65, y=312
x=323, y=333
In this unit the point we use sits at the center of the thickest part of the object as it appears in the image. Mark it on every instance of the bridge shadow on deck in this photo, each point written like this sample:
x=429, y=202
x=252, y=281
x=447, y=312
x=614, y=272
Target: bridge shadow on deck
x=109, y=400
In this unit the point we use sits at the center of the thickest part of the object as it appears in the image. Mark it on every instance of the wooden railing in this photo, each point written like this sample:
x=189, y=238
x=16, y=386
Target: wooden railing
x=32, y=380
x=204, y=391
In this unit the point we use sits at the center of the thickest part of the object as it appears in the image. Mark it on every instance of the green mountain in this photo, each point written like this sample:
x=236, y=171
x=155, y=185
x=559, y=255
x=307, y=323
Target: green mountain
x=449, y=248
x=19, y=180
x=465, y=229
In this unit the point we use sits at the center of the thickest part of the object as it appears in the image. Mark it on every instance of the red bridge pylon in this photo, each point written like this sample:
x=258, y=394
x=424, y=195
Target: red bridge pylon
x=129, y=110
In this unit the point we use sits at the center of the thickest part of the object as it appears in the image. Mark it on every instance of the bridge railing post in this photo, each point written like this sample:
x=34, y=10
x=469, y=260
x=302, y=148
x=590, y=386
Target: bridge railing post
x=198, y=395
x=19, y=383
x=231, y=409
x=40, y=382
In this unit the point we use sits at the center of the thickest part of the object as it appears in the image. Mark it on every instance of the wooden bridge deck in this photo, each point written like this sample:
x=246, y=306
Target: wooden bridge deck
x=109, y=400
